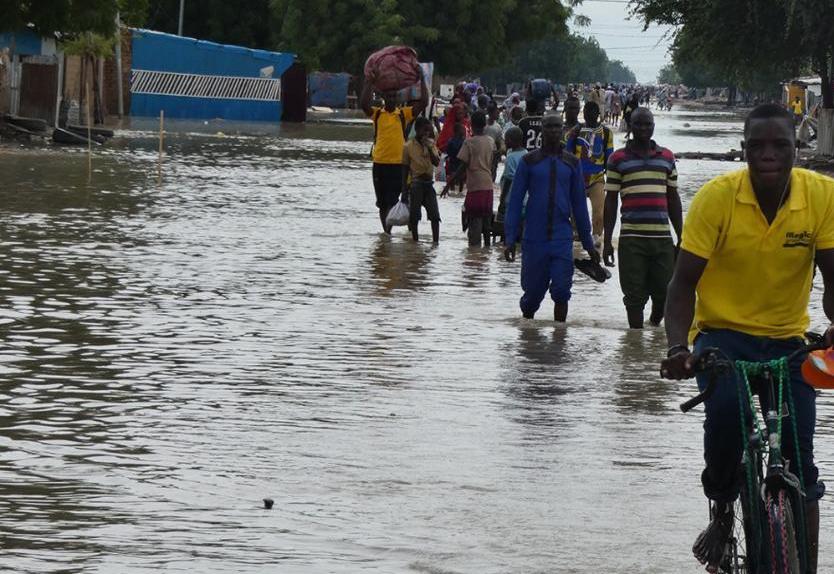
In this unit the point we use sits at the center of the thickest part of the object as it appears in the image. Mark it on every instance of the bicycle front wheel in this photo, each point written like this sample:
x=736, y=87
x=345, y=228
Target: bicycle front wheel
x=784, y=558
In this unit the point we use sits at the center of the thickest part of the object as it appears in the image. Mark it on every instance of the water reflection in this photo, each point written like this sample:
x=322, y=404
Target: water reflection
x=399, y=265
x=637, y=386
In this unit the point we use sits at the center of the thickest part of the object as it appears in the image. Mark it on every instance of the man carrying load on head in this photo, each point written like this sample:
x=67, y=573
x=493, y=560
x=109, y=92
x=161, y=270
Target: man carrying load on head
x=390, y=127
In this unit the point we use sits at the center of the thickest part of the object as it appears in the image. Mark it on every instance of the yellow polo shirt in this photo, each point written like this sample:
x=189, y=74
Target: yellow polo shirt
x=758, y=276
x=390, y=139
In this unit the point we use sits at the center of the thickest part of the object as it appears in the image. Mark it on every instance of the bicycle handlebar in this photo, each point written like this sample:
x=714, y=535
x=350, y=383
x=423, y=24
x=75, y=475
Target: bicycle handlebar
x=713, y=360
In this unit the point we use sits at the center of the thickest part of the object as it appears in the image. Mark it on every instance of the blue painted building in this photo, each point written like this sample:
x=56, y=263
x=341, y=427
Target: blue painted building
x=27, y=43
x=196, y=79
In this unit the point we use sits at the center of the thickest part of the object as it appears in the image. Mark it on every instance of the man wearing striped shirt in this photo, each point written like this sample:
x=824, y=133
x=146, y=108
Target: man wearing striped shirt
x=644, y=174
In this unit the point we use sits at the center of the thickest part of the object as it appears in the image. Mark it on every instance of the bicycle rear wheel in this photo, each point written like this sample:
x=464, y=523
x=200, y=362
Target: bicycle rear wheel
x=784, y=558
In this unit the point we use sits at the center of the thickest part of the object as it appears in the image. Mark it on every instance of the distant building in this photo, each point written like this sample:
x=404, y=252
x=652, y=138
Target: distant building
x=196, y=79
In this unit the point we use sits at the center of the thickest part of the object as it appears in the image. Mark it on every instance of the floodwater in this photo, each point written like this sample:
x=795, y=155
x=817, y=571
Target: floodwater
x=176, y=351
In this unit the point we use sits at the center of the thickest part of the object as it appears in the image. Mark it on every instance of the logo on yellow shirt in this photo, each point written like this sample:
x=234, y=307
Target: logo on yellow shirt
x=797, y=239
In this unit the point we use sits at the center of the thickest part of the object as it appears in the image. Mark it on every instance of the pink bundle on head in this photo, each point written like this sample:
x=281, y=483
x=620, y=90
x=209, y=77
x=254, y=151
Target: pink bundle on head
x=393, y=68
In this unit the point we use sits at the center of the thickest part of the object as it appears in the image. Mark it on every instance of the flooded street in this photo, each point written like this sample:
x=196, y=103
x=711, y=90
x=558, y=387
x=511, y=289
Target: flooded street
x=175, y=352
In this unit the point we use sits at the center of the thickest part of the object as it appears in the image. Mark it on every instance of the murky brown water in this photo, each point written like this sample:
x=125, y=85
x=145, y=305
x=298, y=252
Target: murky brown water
x=175, y=353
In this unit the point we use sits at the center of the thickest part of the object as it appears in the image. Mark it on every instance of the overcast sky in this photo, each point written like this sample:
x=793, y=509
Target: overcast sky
x=622, y=39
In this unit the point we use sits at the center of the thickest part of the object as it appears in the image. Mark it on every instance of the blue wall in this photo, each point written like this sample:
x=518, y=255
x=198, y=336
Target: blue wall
x=160, y=52
x=26, y=43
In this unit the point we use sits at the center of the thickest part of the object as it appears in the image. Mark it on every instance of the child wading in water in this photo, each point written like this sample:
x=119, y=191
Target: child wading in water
x=452, y=150
x=476, y=157
x=420, y=157
x=514, y=139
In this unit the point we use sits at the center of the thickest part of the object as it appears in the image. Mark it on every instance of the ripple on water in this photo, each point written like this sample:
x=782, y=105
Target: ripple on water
x=176, y=351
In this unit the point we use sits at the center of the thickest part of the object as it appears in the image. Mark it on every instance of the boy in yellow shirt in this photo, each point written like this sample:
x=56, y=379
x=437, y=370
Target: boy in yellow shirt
x=420, y=157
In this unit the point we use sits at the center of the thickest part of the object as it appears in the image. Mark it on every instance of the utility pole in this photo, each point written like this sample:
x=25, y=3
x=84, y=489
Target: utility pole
x=119, y=72
x=182, y=9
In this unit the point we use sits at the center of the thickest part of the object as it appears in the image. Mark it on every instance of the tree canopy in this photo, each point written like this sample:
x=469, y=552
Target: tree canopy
x=753, y=45
x=459, y=36
x=527, y=38
x=565, y=58
x=69, y=17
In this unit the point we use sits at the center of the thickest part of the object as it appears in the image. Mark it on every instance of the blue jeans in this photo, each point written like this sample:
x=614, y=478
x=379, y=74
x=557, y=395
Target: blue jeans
x=722, y=433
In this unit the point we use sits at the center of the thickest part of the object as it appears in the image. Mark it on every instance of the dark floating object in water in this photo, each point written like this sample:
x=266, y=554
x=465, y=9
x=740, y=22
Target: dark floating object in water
x=268, y=502
x=732, y=155
x=103, y=133
x=63, y=136
x=687, y=124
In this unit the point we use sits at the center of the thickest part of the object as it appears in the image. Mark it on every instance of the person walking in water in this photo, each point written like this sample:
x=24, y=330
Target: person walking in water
x=593, y=144
x=552, y=182
x=475, y=158
x=630, y=107
x=644, y=174
x=390, y=125
x=572, y=107
x=514, y=138
x=420, y=157
x=531, y=124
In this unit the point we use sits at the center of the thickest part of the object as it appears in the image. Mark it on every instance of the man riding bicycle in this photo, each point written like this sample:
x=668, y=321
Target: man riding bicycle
x=742, y=283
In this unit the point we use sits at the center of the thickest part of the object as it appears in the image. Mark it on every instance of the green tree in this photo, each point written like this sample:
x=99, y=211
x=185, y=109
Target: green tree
x=459, y=36
x=619, y=73
x=336, y=35
x=749, y=44
x=246, y=23
x=66, y=16
x=563, y=58
x=668, y=74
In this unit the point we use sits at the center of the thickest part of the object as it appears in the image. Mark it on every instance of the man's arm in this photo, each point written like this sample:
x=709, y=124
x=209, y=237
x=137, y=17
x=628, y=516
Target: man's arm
x=609, y=146
x=454, y=178
x=365, y=97
x=434, y=155
x=424, y=94
x=673, y=200
x=579, y=207
x=609, y=219
x=512, y=216
x=406, y=169
x=679, y=313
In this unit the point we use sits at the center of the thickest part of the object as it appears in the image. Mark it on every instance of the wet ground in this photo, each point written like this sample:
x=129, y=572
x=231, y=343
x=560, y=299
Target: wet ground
x=176, y=351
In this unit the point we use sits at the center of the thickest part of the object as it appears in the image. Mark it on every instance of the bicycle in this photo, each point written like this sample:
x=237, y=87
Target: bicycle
x=768, y=533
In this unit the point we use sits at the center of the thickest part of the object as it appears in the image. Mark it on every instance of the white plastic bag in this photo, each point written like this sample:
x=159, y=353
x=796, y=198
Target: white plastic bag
x=398, y=215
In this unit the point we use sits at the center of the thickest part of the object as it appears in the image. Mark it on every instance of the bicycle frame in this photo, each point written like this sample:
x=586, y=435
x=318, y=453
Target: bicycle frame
x=761, y=445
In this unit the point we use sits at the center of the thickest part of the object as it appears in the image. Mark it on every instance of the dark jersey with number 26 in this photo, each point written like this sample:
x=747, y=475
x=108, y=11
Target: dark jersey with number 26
x=531, y=127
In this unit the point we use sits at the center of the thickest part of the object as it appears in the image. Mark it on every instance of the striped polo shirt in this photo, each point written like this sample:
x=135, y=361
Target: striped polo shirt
x=642, y=183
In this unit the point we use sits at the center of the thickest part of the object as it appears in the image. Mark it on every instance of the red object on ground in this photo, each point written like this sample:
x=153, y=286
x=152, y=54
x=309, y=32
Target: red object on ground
x=393, y=68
